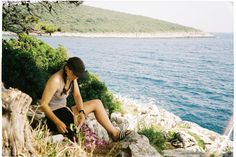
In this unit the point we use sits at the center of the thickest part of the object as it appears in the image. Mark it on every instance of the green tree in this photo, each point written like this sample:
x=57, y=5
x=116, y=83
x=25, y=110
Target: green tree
x=20, y=16
x=43, y=27
x=28, y=62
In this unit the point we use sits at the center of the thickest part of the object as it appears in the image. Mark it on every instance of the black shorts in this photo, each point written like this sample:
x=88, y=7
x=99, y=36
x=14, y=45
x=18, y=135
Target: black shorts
x=65, y=116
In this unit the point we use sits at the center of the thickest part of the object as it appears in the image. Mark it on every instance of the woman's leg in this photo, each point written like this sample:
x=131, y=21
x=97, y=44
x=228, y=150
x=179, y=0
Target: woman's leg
x=96, y=106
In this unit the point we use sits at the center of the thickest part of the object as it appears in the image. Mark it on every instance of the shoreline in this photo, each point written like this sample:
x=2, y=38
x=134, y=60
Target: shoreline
x=132, y=103
x=126, y=35
x=207, y=141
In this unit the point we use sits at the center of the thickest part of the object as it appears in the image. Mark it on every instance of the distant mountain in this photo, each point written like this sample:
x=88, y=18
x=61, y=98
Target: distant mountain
x=86, y=19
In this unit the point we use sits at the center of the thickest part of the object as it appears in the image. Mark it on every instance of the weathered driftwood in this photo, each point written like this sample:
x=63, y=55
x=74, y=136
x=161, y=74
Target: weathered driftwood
x=16, y=131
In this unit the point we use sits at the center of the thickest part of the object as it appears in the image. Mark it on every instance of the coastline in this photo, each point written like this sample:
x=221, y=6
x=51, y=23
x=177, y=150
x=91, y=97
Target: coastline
x=138, y=116
x=126, y=35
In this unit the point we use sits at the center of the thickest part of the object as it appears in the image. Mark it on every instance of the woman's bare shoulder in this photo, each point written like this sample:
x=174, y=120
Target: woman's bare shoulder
x=55, y=79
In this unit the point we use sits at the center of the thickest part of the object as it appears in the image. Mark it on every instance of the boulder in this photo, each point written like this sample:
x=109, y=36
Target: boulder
x=183, y=140
x=138, y=146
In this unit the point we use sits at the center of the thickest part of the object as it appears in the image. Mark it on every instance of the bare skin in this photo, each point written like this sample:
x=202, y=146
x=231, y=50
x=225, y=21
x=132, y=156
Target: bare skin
x=95, y=106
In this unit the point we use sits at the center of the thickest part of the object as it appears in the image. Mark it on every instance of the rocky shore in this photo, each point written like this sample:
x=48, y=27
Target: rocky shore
x=190, y=139
x=128, y=35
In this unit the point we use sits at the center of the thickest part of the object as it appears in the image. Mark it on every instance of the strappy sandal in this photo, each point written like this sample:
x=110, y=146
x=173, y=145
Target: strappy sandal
x=122, y=135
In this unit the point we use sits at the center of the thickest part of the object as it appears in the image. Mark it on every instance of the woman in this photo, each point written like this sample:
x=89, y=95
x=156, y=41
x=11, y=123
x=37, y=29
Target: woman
x=53, y=101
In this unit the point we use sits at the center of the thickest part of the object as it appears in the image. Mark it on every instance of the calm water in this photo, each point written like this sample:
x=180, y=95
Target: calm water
x=191, y=77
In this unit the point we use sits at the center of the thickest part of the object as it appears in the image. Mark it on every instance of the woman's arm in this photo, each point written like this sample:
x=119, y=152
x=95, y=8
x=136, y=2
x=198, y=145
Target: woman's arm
x=49, y=91
x=77, y=97
x=78, y=102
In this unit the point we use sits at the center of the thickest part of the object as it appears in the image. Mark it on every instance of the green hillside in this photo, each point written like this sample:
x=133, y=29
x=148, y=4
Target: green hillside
x=89, y=19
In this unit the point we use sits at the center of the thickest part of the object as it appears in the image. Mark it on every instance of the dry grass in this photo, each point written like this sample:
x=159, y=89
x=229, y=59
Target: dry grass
x=42, y=141
x=45, y=147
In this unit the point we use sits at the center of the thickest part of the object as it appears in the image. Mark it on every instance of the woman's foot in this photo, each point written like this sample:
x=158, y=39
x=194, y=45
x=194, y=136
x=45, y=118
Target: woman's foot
x=120, y=135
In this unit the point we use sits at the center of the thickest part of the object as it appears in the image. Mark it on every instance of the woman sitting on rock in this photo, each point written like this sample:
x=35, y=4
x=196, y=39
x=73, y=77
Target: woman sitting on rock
x=53, y=102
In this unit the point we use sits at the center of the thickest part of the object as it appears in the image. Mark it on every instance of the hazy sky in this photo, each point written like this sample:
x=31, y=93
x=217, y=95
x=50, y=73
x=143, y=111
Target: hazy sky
x=211, y=16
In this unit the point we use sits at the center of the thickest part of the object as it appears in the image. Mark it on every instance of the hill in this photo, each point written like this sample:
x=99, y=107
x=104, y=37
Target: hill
x=86, y=19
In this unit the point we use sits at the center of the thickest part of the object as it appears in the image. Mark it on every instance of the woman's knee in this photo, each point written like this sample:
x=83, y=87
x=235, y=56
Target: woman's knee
x=98, y=103
x=93, y=105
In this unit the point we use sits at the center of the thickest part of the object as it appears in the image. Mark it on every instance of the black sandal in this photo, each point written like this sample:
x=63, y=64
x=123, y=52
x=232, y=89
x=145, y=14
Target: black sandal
x=122, y=135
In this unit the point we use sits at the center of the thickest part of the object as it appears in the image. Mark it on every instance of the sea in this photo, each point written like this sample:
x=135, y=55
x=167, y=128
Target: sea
x=190, y=77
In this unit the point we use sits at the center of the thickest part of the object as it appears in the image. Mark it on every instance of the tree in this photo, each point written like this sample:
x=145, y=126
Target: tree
x=43, y=27
x=19, y=16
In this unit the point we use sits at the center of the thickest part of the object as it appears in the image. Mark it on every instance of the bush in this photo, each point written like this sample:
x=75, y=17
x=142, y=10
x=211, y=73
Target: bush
x=27, y=63
x=155, y=137
x=46, y=27
x=92, y=88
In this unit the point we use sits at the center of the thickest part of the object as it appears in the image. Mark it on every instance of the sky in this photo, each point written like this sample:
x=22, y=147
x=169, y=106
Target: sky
x=208, y=16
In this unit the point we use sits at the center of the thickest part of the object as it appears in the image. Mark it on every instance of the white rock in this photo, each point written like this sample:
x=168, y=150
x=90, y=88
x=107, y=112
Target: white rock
x=56, y=138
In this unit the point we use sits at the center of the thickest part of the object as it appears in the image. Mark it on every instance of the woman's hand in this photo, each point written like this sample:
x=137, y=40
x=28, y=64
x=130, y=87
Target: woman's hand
x=81, y=119
x=76, y=120
x=61, y=127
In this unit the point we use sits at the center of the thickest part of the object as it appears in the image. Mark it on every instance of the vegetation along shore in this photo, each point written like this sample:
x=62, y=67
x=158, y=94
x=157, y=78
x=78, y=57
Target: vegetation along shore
x=126, y=35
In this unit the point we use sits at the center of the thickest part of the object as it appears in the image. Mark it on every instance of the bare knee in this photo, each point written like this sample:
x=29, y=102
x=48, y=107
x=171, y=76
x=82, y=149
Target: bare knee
x=98, y=103
x=93, y=106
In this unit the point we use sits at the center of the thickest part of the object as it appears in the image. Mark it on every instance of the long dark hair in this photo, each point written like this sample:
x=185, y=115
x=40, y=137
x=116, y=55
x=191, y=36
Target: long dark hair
x=64, y=76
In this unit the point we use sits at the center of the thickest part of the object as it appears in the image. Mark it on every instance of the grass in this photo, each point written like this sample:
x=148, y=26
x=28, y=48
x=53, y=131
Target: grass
x=45, y=147
x=89, y=19
x=184, y=126
x=155, y=137
x=200, y=142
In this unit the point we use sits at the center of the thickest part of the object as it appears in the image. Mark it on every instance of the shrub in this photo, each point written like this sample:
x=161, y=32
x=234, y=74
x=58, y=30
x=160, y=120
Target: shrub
x=46, y=27
x=93, y=88
x=155, y=137
x=28, y=62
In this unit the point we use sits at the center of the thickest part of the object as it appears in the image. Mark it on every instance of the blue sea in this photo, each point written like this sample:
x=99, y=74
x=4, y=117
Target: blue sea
x=191, y=77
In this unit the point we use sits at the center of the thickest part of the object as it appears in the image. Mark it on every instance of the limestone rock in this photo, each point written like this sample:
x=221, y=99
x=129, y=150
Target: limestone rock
x=183, y=140
x=96, y=127
x=141, y=116
x=181, y=152
x=138, y=145
x=120, y=122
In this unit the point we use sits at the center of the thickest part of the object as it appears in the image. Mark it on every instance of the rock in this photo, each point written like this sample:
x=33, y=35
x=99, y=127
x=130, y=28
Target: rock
x=134, y=145
x=181, y=152
x=120, y=122
x=214, y=143
x=150, y=110
x=142, y=116
x=96, y=127
x=139, y=146
x=228, y=154
x=56, y=138
x=182, y=140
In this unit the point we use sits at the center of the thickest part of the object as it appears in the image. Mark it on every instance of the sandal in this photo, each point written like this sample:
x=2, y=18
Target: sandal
x=122, y=135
